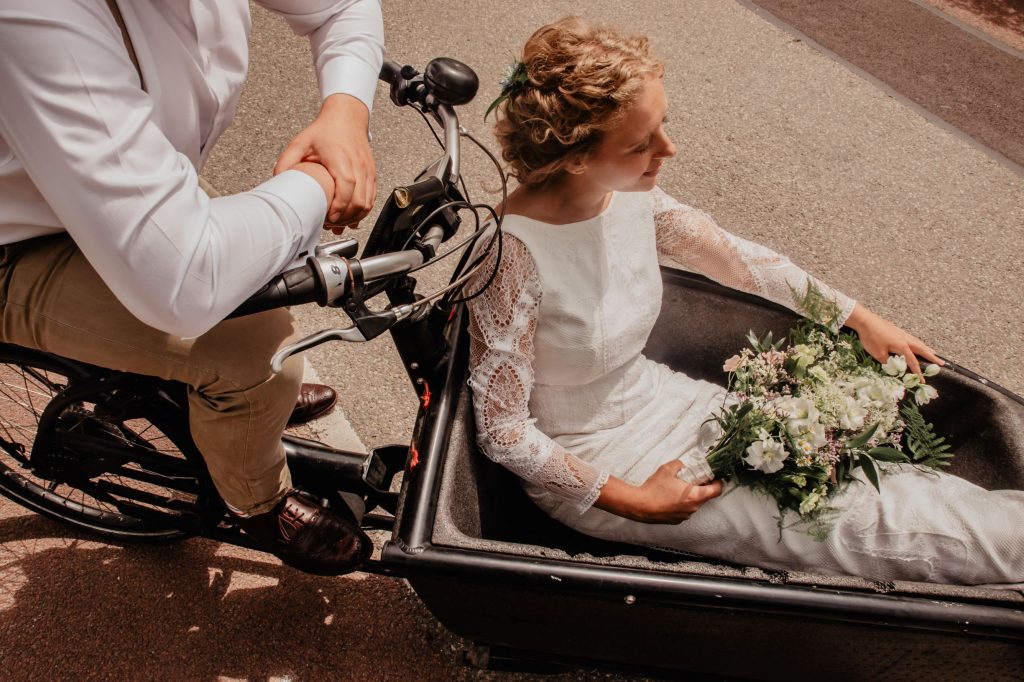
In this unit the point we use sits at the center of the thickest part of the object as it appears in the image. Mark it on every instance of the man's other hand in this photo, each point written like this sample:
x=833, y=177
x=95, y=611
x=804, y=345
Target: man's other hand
x=338, y=139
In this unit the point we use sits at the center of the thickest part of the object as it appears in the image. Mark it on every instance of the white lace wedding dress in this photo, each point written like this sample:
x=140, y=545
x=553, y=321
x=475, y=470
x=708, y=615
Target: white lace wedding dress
x=564, y=398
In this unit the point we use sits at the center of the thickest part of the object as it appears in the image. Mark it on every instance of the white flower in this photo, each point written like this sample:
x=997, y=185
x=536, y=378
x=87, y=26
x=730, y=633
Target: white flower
x=805, y=354
x=895, y=366
x=911, y=380
x=805, y=446
x=931, y=370
x=812, y=501
x=878, y=392
x=819, y=373
x=924, y=394
x=804, y=417
x=898, y=391
x=851, y=415
x=766, y=455
x=798, y=409
x=812, y=432
x=508, y=75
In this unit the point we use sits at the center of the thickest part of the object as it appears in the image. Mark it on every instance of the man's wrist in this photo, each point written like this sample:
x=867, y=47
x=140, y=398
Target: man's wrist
x=318, y=173
x=346, y=106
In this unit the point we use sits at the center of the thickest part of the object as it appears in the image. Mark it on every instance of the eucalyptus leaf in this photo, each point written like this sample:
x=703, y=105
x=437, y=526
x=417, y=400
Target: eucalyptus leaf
x=862, y=438
x=887, y=454
x=868, y=465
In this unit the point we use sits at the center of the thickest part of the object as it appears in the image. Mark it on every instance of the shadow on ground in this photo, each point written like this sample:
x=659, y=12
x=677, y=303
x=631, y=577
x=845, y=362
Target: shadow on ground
x=1007, y=14
x=75, y=608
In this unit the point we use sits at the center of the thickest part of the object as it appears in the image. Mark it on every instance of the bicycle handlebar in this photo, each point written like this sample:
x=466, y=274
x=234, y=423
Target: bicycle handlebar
x=289, y=288
x=327, y=278
x=332, y=276
x=389, y=71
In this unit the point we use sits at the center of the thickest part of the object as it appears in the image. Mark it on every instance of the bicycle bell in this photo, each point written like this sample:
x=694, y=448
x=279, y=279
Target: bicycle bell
x=450, y=81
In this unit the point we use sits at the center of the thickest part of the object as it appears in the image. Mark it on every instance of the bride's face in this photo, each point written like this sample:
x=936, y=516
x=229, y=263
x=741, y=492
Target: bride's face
x=631, y=154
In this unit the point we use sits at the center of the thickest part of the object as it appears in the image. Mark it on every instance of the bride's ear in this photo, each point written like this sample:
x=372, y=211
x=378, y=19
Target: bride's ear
x=576, y=166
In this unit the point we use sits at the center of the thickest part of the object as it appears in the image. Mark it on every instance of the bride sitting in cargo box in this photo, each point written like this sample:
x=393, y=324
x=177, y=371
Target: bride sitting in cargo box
x=564, y=397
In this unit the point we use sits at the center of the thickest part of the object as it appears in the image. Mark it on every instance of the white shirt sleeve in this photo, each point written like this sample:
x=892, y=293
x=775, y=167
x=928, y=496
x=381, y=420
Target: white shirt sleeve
x=347, y=38
x=691, y=239
x=75, y=118
x=502, y=323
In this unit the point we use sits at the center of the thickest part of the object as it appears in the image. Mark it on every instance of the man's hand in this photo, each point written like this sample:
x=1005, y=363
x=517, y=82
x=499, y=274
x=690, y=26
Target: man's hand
x=338, y=139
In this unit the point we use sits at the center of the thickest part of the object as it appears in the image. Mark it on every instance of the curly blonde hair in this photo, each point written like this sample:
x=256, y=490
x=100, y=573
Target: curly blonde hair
x=581, y=78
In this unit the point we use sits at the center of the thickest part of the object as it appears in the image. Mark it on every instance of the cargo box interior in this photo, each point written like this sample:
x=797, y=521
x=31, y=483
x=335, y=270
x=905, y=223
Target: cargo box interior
x=481, y=506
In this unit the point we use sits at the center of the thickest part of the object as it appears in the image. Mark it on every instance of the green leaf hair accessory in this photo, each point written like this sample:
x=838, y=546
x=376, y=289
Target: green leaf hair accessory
x=514, y=80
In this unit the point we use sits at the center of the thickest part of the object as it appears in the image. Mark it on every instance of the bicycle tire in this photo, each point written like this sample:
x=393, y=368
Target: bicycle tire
x=107, y=503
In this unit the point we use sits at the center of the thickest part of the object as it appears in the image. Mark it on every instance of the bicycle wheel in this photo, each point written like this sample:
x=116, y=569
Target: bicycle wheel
x=115, y=463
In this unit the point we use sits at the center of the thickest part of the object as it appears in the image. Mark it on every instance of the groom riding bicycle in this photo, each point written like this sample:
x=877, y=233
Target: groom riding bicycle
x=113, y=255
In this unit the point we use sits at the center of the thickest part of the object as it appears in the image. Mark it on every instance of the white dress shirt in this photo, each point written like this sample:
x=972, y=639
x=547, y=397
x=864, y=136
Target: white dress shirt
x=85, y=149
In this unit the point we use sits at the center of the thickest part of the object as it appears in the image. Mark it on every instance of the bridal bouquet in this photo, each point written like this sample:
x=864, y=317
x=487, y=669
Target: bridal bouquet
x=803, y=417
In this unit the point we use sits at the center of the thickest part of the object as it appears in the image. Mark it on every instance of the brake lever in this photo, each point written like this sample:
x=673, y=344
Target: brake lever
x=353, y=334
x=341, y=248
x=311, y=341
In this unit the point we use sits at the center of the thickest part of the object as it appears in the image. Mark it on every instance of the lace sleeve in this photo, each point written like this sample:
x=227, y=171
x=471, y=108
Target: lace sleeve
x=692, y=240
x=502, y=323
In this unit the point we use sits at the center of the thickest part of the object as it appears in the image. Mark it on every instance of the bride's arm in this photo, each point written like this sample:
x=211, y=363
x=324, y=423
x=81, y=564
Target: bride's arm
x=692, y=239
x=502, y=322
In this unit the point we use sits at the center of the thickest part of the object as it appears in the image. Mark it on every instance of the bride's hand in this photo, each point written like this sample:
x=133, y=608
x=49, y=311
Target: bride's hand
x=663, y=498
x=882, y=338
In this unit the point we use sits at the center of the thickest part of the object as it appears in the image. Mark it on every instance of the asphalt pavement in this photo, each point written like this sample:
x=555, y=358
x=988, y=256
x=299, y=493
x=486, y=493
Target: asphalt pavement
x=789, y=137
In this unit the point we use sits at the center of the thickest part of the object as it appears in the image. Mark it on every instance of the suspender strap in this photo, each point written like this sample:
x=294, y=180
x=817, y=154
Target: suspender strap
x=112, y=4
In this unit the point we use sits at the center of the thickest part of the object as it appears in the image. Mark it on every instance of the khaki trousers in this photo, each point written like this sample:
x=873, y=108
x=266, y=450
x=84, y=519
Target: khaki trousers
x=53, y=300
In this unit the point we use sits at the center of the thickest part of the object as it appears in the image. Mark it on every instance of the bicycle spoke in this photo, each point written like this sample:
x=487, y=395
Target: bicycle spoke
x=122, y=478
x=43, y=378
x=16, y=401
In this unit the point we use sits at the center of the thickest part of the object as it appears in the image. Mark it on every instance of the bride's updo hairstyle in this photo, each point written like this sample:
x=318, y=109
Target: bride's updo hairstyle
x=580, y=80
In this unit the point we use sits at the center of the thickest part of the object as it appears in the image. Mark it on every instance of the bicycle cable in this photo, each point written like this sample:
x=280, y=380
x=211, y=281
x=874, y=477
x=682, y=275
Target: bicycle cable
x=463, y=273
x=462, y=180
x=499, y=220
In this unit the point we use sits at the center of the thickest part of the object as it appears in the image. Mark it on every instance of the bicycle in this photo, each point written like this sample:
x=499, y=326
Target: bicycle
x=110, y=452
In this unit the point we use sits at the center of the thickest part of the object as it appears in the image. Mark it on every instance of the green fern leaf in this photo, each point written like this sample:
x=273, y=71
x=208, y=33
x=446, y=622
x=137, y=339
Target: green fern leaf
x=926, y=448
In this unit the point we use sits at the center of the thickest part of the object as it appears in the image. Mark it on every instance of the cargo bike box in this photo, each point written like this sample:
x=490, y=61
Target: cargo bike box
x=496, y=570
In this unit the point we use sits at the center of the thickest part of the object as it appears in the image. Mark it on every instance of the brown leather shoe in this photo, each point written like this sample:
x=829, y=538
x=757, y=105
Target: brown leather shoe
x=314, y=400
x=309, y=537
